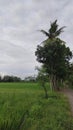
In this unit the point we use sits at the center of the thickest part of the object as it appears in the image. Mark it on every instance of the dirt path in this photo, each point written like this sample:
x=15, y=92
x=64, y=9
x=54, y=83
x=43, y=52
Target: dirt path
x=69, y=94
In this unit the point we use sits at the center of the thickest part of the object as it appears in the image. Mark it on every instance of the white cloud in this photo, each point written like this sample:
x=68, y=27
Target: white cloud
x=19, y=24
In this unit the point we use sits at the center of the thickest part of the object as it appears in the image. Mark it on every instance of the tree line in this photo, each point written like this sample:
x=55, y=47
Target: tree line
x=8, y=78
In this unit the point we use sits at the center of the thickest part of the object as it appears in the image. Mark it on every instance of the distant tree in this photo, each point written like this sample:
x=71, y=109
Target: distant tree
x=54, y=55
x=30, y=79
x=8, y=78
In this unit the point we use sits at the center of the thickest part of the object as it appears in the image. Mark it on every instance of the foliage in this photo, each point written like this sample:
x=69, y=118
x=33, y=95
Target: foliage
x=54, y=55
x=54, y=31
x=70, y=76
x=8, y=78
x=42, y=78
x=22, y=108
x=30, y=79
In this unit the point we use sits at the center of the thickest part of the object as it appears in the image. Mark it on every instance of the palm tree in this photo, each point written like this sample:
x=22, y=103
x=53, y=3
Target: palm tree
x=53, y=32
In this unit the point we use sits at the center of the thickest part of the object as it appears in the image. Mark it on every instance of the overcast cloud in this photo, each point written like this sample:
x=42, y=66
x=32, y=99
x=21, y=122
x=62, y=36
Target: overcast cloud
x=19, y=22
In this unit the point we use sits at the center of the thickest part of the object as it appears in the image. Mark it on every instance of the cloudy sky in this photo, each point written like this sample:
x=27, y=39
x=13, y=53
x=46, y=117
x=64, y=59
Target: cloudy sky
x=20, y=21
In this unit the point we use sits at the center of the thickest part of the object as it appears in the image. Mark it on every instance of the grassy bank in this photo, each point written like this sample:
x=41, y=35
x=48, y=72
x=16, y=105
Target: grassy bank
x=23, y=107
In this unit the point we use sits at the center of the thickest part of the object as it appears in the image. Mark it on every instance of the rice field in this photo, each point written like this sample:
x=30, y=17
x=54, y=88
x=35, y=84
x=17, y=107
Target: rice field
x=24, y=107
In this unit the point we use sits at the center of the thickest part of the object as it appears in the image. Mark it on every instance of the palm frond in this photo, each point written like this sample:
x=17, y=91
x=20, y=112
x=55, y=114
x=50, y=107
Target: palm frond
x=54, y=27
x=59, y=31
x=44, y=32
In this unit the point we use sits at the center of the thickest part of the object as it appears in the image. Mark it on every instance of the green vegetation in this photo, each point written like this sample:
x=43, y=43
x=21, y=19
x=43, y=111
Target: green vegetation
x=70, y=77
x=54, y=55
x=23, y=107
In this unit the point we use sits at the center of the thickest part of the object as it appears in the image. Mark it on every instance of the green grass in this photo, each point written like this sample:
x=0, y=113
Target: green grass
x=23, y=107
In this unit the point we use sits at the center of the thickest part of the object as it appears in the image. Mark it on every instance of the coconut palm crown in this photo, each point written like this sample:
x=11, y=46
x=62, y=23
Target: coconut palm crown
x=53, y=32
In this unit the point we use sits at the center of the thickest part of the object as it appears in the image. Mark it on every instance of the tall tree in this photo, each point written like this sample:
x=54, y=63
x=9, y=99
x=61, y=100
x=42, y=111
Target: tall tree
x=54, y=55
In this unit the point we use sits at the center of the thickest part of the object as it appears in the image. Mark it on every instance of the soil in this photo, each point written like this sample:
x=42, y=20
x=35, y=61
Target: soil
x=69, y=94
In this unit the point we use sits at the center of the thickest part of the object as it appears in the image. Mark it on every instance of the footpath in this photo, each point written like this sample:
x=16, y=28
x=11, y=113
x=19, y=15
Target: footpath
x=69, y=94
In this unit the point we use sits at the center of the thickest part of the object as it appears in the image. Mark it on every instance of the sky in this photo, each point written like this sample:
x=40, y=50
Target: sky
x=20, y=21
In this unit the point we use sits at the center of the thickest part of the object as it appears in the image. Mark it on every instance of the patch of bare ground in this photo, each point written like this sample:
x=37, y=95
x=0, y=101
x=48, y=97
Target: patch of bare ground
x=69, y=93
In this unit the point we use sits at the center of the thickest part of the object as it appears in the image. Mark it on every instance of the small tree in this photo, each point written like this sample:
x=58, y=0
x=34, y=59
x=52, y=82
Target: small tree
x=43, y=78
